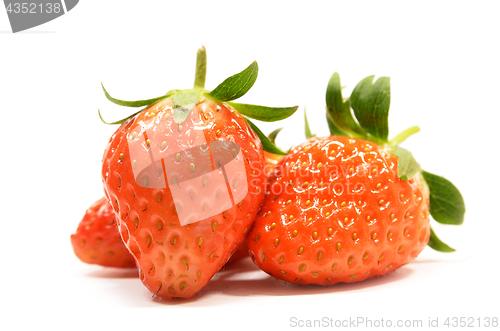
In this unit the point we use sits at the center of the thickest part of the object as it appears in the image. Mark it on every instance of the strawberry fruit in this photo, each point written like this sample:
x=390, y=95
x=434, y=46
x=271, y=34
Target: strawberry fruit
x=185, y=176
x=97, y=240
x=353, y=205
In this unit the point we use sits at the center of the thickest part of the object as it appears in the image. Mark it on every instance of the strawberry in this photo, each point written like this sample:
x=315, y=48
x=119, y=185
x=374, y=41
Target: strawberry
x=97, y=240
x=185, y=178
x=322, y=226
x=353, y=205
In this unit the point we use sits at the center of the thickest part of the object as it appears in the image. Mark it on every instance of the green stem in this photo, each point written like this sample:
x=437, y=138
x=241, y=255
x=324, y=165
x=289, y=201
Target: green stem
x=201, y=68
x=404, y=135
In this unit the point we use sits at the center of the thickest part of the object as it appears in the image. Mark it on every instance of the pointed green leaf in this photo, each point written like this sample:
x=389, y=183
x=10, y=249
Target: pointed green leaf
x=138, y=103
x=236, y=86
x=201, y=68
x=117, y=122
x=446, y=203
x=370, y=103
x=437, y=244
x=308, y=133
x=407, y=165
x=266, y=143
x=334, y=130
x=340, y=109
x=184, y=101
x=262, y=113
x=272, y=136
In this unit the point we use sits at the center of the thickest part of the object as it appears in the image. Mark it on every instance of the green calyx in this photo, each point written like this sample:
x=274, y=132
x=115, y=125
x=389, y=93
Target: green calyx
x=230, y=89
x=183, y=102
x=365, y=115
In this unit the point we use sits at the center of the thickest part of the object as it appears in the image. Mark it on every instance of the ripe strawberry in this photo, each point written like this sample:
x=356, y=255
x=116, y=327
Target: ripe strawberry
x=185, y=178
x=97, y=240
x=338, y=212
x=344, y=209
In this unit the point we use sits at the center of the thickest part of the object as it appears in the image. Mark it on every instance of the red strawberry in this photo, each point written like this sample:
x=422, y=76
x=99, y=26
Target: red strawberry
x=342, y=209
x=338, y=212
x=185, y=177
x=97, y=240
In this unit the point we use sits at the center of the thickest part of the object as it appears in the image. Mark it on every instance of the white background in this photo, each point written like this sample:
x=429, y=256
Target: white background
x=443, y=60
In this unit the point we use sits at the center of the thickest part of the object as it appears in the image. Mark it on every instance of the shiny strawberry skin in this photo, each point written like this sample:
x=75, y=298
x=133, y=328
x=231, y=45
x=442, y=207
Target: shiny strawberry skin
x=271, y=162
x=97, y=240
x=336, y=211
x=176, y=261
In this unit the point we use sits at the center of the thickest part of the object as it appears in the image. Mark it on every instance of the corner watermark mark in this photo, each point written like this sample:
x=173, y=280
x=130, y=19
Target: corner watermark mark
x=374, y=323
x=26, y=14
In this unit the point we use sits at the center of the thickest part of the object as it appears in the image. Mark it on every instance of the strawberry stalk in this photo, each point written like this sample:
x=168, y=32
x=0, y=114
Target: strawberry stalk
x=364, y=115
x=201, y=68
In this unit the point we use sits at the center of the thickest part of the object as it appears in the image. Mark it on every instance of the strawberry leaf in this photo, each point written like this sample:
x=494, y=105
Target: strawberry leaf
x=334, y=130
x=117, y=122
x=272, y=136
x=436, y=244
x=308, y=133
x=236, y=86
x=184, y=101
x=407, y=165
x=339, y=109
x=370, y=103
x=262, y=113
x=138, y=103
x=400, y=138
x=266, y=143
x=446, y=203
